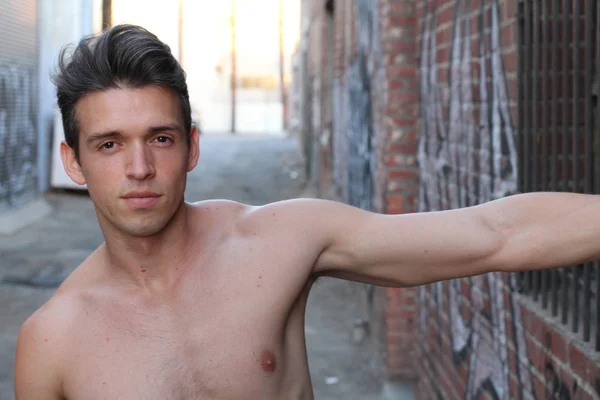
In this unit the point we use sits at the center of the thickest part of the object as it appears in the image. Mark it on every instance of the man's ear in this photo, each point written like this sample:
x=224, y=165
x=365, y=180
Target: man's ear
x=70, y=163
x=194, y=150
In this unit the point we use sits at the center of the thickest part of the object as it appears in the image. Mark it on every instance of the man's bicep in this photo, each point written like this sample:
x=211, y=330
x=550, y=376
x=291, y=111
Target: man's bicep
x=36, y=365
x=409, y=249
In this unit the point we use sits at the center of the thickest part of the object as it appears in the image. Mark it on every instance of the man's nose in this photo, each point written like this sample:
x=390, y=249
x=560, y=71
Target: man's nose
x=140, y=164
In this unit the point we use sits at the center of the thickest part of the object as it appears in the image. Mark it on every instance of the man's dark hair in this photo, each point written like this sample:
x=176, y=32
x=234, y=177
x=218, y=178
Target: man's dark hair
x=122, y=56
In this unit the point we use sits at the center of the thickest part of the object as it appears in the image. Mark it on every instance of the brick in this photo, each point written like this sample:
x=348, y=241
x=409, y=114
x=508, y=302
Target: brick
x=443, y=53
x=396, y=122
x=558, y=345
x=400, y=160
x=402, y=174
x=403, y=8
x=535, y=354
x=402, y=135
x=579, y=361
x=583, y=394
x=510, y=10
x=513, y=88
x=399, y=46
x=445, y=15
x=407, y=71
x=510, y=61
x=403, y=110
x=539, y=386
x=508, y=35
x=402, y=148
x=396, y=84
x=406, y=22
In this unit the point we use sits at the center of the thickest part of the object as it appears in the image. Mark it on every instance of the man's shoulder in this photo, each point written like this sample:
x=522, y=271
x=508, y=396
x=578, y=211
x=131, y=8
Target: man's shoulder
x=43, y=347
x=239, y=209
x=295, y=212
x=218, y=208
x=289, y=216
x=55, y=318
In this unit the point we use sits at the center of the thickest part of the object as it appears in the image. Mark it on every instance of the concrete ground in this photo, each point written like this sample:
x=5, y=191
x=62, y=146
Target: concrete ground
x=254, y=170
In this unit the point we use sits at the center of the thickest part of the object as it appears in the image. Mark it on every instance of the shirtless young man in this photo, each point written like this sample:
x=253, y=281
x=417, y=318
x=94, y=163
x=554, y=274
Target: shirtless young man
x=207, y=300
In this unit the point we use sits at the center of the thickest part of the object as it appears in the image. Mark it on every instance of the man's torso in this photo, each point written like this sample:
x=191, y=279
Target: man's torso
x=233, y=329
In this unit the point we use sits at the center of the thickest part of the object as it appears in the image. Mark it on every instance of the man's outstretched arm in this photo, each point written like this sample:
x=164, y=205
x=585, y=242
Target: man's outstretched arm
x=517, y=233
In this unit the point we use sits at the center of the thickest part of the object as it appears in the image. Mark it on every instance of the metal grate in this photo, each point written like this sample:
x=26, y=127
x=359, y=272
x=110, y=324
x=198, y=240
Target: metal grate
x=559, y=140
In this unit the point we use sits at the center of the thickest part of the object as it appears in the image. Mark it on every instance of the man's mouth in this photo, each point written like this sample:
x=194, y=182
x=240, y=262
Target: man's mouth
x=141, y=199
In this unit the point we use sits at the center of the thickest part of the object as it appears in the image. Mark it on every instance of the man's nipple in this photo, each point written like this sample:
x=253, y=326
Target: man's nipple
x=268, y=361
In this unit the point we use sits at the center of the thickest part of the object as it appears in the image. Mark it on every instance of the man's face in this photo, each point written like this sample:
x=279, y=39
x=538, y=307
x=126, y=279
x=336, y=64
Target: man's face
x=134, y=157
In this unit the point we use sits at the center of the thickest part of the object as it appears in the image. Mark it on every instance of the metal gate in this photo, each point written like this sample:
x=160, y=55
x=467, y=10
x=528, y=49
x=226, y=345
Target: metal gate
x=559, y=139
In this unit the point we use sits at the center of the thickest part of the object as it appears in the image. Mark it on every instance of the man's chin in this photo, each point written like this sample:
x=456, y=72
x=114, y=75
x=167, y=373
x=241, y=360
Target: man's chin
x=143, y=231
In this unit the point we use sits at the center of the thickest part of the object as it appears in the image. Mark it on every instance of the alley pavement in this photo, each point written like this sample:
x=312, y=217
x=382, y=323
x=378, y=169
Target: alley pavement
x=251, y=169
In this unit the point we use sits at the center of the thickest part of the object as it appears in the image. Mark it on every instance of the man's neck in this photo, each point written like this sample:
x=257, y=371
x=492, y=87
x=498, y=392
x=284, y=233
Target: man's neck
x=152, y=262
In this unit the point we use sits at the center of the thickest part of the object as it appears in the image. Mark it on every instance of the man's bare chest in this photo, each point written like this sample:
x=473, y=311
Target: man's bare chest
x=217, y=352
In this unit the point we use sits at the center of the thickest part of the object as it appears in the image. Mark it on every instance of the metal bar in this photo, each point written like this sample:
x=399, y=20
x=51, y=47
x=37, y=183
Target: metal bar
x=587, y=299
x=535, y=116
x=565, y=132
x=597, y=344
x=565, y=178
x=554, y=73
x=543, y=76
x=526, y=106
x=565, y=296
x=565, y=96
x=588, y=96
x=576, y=97
x=554, y=292
x=576, y=151
x=575, y=294
x=554, y=172
x=526, y=109
x=522, y=154
x=535, y=95
x=545, y=288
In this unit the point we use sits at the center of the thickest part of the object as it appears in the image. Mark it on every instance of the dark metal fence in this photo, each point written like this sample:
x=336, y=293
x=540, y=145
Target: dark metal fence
x=559, y=142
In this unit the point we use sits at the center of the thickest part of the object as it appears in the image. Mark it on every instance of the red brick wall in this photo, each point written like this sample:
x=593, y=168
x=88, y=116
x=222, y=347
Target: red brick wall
x=478, y=338
x=397, y=166
x=392, y=79
x=395, y=118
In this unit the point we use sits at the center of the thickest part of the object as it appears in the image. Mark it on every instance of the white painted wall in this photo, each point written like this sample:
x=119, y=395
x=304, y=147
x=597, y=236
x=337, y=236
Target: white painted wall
x=60, y=23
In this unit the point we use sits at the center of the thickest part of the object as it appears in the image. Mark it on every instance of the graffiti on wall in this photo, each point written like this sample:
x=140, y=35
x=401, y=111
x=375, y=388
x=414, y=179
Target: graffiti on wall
x=467, y=155
x=17, y=135
x=354, y=107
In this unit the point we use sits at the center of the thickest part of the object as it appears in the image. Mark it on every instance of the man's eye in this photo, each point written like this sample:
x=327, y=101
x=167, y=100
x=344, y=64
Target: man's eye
x=163, y=139
x=108, y=145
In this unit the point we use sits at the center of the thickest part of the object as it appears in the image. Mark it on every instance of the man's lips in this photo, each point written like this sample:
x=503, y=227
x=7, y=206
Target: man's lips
x=141, y=199
x=137, y=195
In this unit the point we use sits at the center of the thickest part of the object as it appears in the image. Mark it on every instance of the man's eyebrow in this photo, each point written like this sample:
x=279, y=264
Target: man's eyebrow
x=163, y=128
x=116, y=134
x=100, y=136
